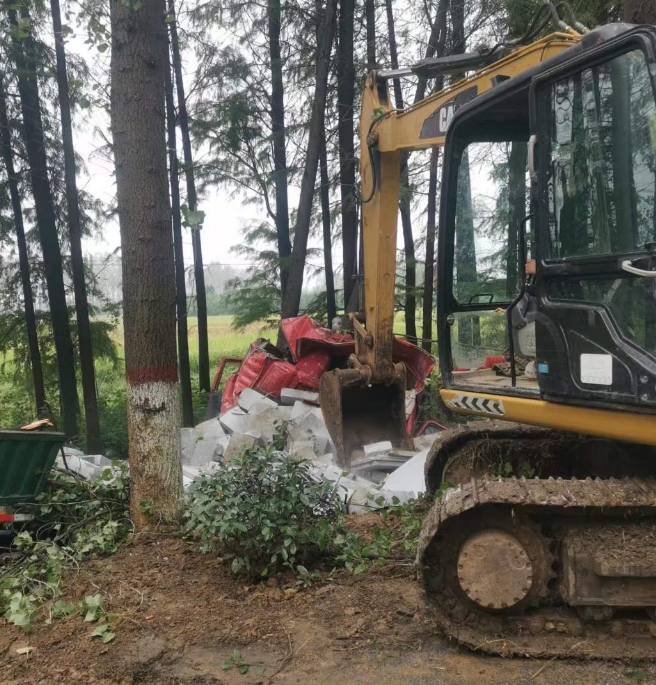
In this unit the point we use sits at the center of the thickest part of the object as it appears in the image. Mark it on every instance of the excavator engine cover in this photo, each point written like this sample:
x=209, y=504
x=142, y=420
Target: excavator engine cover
x=359, y=411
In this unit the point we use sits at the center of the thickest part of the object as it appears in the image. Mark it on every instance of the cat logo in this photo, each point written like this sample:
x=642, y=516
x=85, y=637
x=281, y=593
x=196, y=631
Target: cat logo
x=444, y=116
x=437, y=123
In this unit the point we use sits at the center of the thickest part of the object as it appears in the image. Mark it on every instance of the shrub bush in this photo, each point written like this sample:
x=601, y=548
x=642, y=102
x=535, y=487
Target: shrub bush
x=264, y=512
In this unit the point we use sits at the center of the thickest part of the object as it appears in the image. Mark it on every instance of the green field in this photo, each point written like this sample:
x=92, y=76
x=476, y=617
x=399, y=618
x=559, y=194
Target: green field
x=224, y=341
x=16, y=394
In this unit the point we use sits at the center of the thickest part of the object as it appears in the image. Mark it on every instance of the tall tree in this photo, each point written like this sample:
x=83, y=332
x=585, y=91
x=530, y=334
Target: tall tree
x=640, y=11
x=23, y=49
x=180, y=285
x=28, y=300
x=87, y=370
x=435, y=48
x=292, y=298
x=345, y=108
x=410, y=300
x=195, y=218
x=331, y=306
x=370, y=21
x=279, y=141
x=138, y=67
x=429, y=269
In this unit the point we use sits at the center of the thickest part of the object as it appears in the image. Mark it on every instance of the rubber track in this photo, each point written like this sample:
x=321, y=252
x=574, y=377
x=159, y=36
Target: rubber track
x=617, y=639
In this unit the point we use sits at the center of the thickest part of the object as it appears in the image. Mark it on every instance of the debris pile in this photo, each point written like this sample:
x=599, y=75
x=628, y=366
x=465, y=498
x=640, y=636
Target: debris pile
x=254, y=421
x=272, y=391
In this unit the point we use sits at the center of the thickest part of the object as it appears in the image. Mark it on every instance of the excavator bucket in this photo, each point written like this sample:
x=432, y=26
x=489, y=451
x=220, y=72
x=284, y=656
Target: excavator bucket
x=358, y=413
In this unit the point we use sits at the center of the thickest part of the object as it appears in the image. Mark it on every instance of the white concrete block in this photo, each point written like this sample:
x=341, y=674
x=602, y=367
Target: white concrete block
x=291, y=395
x=300, y=409
x=377, y=448
x=98, y=460
x=284, y=412
x=211, y=442
x=410, y=476
x=233, y=420
x=237, y=444
x=249, y=397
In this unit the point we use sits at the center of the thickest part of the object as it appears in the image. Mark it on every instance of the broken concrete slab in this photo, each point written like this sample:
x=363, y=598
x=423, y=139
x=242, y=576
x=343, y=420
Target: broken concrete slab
x=410, y=476
x=238, y=444
x=210, y=444
x=291, y=395
x=79, y=465
x=249, y=397
x=233, y=420
x=300, y=409
x=98, y=460
x=284, y=412
x=260, y=407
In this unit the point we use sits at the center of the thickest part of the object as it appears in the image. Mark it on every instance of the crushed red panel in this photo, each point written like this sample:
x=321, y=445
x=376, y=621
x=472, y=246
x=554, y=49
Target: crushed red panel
x=314, y=350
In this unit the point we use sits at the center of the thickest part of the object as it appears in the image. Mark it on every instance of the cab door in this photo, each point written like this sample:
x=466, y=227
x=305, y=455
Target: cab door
x=594, y=124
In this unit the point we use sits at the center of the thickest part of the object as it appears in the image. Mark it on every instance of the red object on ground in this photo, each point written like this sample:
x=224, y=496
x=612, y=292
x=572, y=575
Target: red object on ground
x=313, y=350
x=491, y=361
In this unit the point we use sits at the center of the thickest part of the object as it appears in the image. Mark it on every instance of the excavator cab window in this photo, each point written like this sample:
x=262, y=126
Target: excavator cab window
x=562, y=304
x=491, y=201
x=596, y=152
x=487, y=310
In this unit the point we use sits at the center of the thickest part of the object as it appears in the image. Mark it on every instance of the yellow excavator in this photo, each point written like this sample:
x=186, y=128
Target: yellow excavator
x=542, y=536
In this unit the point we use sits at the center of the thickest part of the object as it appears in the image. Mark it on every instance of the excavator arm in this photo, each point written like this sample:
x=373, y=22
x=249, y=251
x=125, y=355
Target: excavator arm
x=366, y=402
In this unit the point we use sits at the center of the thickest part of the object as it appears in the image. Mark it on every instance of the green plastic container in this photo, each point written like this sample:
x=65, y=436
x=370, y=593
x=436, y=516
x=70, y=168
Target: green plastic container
x=26, y=459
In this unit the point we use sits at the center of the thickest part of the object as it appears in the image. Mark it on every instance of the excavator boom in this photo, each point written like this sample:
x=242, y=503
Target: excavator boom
x=366, y=402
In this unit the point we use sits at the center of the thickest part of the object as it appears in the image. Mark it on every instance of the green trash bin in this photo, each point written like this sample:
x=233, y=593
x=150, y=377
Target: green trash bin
x=26, y=459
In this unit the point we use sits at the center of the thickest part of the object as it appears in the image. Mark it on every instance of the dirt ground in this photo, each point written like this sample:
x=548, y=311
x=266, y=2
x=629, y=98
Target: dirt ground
x=180, y=614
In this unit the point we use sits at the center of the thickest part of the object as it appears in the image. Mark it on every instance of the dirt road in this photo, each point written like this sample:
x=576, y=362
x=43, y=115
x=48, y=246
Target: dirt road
x=179, y=616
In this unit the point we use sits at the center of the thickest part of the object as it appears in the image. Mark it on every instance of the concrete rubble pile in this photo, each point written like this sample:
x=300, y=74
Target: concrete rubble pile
x=379, y=475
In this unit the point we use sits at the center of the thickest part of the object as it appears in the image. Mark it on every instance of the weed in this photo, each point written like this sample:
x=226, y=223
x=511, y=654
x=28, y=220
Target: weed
x=236, y=661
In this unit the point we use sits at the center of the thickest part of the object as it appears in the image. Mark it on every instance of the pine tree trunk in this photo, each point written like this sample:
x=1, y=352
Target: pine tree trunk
x=429, y=271
x=345, y=99
x=87, y=370
x=292, y=300
x=279, y=138
x=331, y=307
x=180, y=285
x=192, y=200
x=46, y=221
x=410, y=298
x=435, y=47
x=28, y=300
x=640, y=11
x=370, y=20
x=138, y=68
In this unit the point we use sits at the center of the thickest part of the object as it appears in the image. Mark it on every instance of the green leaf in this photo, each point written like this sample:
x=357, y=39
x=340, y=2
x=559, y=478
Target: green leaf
x=243, y=668
x=102, y=47
x=169, y=18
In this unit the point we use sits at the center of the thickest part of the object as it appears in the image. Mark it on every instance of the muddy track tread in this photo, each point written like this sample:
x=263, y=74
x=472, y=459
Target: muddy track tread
x=486, y=634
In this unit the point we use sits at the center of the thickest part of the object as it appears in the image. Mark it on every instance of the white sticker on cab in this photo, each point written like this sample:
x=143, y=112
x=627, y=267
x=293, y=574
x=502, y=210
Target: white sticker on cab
x=597, y=369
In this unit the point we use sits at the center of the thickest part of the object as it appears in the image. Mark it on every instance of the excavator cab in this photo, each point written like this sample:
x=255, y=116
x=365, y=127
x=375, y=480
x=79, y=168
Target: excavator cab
x=547, y=245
